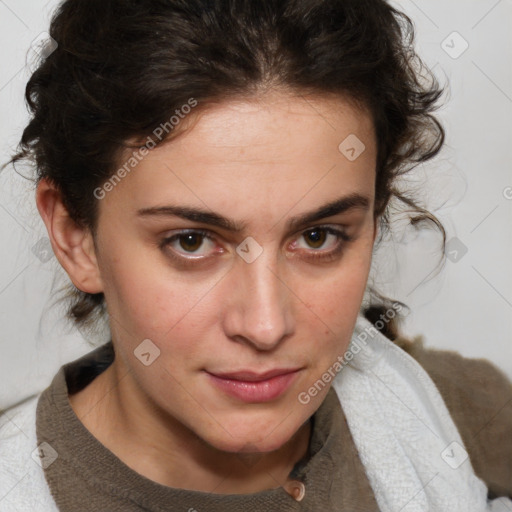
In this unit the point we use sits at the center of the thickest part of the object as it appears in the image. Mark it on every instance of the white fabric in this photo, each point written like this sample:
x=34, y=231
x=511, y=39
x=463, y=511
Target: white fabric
x=398, y=419
x=407, y=441
x=23, y=487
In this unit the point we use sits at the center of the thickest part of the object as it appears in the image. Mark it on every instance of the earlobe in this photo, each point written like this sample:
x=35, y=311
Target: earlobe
x=73, y=245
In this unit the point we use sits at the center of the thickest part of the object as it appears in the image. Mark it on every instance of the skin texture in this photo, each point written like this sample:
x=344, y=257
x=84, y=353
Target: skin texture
x=258, y=162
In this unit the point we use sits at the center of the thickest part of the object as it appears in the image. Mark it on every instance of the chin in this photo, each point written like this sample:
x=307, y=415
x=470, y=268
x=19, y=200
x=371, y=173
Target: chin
x=253, y=437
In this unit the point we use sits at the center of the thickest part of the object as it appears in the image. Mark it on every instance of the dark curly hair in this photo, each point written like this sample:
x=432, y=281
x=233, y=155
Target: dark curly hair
x=122, y=68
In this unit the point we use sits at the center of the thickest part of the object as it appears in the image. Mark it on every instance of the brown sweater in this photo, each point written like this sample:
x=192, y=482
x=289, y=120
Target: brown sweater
x=86, y=476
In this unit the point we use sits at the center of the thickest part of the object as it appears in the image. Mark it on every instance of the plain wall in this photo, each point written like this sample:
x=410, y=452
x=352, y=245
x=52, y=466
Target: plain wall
x=464, y=306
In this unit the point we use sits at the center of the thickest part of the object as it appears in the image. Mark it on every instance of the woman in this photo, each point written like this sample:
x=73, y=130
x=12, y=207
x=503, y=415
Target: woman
x=213, y=176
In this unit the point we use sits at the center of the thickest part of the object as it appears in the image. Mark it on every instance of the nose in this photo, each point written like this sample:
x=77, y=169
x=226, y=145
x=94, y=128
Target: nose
x=259, y=309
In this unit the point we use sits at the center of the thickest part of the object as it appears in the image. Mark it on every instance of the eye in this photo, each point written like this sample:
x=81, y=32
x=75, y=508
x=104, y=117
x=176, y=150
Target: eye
x=322, y=241
x=188, y=243
x=315, y=238
x=319, y=236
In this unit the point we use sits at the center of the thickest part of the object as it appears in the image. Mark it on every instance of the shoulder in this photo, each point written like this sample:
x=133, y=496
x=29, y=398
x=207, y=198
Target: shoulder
x=479, y=397
x=22, y=483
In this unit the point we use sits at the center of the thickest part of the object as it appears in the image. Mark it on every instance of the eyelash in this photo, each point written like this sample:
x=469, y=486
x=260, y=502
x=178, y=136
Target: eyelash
x=342, y=239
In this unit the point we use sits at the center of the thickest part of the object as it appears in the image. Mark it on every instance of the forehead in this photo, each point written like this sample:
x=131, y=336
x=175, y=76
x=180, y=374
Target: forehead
x=273, y=150
x=285, y=123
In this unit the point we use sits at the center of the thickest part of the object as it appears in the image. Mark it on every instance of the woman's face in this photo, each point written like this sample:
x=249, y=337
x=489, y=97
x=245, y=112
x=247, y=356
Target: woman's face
x=226, y=249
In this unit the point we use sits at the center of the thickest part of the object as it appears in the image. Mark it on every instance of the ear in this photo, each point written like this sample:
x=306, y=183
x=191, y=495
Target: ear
x=73, y=246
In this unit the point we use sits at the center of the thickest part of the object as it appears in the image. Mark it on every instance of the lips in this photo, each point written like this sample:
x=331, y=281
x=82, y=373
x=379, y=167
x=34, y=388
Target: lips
x=248, y=376
x=252, y=387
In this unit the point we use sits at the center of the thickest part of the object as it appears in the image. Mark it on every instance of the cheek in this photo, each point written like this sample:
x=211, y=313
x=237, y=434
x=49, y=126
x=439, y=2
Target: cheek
x=145, y=297
x=338, y=295
x=332, y=307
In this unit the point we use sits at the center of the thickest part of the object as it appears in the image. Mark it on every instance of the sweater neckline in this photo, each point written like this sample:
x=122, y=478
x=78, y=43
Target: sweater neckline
x=83, y=457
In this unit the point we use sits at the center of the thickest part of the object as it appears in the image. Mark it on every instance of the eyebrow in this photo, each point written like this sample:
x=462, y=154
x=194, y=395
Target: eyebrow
x=341, y=205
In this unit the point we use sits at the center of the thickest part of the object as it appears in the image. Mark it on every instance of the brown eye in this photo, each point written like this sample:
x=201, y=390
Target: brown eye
x=191, y=242
x=187, y=244
x=316, y=237
x=322, y=243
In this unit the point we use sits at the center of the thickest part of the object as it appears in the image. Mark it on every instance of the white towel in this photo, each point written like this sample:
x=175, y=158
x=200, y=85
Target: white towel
x=409, y=445
x=23, y=487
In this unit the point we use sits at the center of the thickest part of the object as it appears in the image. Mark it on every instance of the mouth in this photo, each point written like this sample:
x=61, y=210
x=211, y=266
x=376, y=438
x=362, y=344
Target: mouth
x=252, y=387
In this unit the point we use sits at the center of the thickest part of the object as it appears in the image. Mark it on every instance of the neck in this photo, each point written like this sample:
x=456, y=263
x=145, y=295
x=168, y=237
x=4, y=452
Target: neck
x=164, y=450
